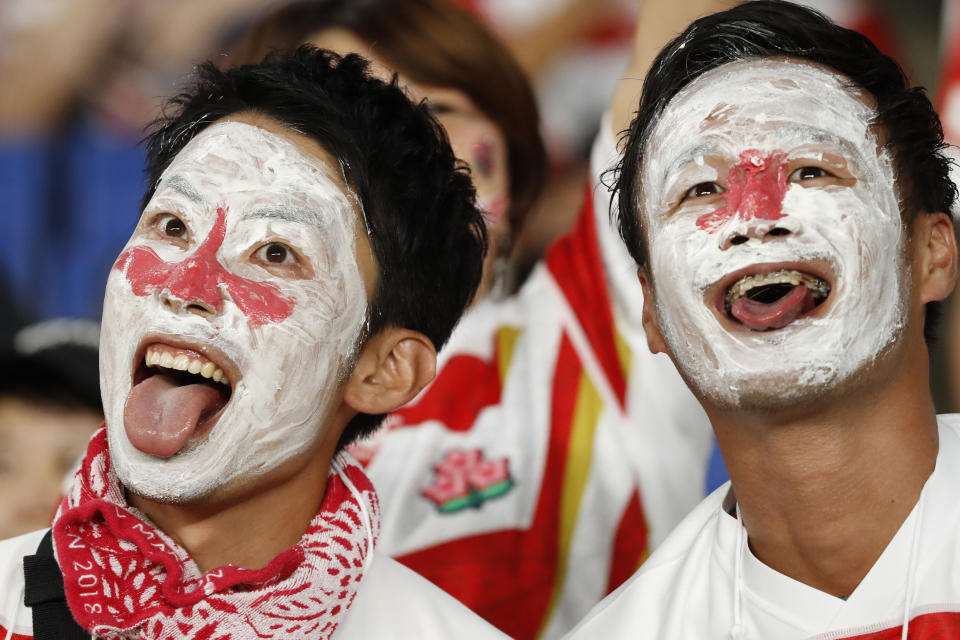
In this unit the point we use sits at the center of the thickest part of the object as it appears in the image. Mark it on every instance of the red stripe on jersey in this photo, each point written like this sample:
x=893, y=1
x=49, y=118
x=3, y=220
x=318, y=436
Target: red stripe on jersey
x=507, y=576
x=943, y=625
x=15, y=636
x=576, y=265
x=629, y=543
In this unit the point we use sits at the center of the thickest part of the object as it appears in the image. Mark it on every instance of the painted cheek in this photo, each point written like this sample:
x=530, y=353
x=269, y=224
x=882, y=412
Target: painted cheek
x=494, y=209
x=198, y=278
x=755, y=190
x=483, y=157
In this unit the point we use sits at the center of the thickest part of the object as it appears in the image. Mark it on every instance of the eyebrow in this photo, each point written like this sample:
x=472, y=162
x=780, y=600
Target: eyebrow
x=184, y=188
x=301, y=215
x=691, y=155
x=822, y=136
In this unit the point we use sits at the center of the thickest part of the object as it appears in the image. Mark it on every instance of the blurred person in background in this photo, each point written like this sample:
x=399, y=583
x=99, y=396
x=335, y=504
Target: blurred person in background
x=514, y=480
x=49, y=408
x=81, y=81
x=948, y=105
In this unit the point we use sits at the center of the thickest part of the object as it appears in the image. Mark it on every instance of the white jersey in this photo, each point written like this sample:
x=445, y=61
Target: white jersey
x=687, y=589
x=392, y=602
x=553, y=450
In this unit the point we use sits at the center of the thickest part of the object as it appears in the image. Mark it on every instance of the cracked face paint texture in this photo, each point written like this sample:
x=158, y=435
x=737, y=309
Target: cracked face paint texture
x=203, y=272
x=747, y=148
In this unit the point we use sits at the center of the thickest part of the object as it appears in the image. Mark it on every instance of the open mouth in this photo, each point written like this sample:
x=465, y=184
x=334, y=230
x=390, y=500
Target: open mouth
x=765, y=301
x=178, y=394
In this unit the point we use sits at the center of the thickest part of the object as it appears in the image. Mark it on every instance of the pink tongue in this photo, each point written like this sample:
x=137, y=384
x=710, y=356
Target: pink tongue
x=160, y=416
x=761, y=316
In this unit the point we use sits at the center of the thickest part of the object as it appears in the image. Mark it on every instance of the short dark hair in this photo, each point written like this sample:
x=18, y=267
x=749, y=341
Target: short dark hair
x=437, y=44
x=775, y=28
x=427, y=235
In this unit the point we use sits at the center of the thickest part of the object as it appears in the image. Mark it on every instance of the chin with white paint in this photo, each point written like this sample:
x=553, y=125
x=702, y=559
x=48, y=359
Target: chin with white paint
x=774, y=234
x=243, y=267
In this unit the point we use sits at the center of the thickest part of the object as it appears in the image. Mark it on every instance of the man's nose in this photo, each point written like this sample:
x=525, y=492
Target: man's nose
x=193, y=286
x=178, y=306
x=743, y=231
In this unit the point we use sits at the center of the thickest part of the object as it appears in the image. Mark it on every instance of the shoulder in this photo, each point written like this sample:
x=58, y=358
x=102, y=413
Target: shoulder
x=395, y=602
x=14, y=616
x=657, y=599
x=949, y=424
x=12, y=551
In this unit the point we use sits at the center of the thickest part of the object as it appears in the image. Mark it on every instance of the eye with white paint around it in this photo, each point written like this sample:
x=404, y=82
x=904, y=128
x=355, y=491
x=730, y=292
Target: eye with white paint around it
x=702, y=190
x=809, y=173
x=170, y=228
x=281, y=260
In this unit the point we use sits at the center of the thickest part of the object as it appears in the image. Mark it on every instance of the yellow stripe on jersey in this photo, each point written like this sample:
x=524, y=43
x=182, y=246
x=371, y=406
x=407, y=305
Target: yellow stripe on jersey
x=506, y=342
x=623, y=352
x=586, y=415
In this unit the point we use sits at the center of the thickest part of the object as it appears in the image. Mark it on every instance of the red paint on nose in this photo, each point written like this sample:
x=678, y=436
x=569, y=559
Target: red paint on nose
x=755, y=190
x=198, y=279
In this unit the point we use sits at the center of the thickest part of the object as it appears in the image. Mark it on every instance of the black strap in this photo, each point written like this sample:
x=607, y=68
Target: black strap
x=43, y=592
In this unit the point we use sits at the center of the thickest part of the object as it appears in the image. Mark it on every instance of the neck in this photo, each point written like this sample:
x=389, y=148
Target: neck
x=823, y=493
x=252, y=528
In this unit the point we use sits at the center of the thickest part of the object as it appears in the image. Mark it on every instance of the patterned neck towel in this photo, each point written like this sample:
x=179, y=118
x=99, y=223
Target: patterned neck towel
x=125, y=579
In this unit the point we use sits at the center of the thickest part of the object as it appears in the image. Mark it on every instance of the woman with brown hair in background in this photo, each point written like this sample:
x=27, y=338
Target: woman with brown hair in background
x=513, y=480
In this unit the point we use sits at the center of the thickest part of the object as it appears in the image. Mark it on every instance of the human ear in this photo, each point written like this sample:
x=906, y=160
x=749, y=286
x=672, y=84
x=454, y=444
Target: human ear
x=651, y=326
x=393, y=367
x=935, y=256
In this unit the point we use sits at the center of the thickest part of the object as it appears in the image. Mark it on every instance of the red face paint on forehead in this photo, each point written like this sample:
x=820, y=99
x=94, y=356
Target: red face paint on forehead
x=755, y=190
x=198, y=278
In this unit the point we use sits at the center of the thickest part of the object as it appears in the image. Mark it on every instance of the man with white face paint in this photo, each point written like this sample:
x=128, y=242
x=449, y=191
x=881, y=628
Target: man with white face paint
x=268, y=309
x=783, y=190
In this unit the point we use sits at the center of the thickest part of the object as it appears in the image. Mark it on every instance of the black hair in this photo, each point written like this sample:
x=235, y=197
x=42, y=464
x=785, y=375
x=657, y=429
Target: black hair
x=53, y=364
x=62, y=378
x=427, y=235
x=775, y=28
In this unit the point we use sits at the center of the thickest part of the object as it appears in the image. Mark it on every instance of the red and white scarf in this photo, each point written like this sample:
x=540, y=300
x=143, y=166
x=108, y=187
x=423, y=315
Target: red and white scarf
x=125, y=579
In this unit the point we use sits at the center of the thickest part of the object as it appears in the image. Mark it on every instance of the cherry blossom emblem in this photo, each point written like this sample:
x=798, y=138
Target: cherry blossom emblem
x=465, y=479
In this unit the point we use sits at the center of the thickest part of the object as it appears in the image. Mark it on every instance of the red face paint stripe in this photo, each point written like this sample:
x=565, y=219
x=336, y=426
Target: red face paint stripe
x=755, y=190
x=198, y=279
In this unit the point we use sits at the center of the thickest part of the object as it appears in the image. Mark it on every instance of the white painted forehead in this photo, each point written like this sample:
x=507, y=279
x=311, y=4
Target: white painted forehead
x=245, y=151
x=254, y=166
x=239, y=137
x=760, y=91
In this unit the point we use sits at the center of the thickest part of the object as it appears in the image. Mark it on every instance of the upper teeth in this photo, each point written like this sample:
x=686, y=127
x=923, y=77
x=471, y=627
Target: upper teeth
x=182, y=362
x=819, y=287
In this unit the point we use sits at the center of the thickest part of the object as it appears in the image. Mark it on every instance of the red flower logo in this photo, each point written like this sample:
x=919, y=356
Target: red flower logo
x=464, y=479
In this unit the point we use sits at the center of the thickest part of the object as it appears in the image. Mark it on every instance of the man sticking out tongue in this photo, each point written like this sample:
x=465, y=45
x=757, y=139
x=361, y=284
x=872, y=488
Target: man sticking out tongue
x=306, y=244
x=784, y=192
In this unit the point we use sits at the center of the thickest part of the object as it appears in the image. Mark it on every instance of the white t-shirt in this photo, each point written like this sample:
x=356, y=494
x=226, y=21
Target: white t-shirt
x=392, y=602
x=687, y=589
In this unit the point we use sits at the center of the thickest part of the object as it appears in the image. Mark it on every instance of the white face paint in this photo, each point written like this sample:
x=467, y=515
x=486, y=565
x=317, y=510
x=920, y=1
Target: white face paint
x=283, y=331
x=752, y=128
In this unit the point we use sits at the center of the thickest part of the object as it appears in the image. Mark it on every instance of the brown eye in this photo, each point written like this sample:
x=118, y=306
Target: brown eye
x=174, y=227
x=276, y=253
x=809, y=173
x=703, y=189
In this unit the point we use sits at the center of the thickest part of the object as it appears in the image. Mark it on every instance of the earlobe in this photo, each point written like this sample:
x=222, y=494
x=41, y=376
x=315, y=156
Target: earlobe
x=937, y=254
x=393, y=367
x=651, y=326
